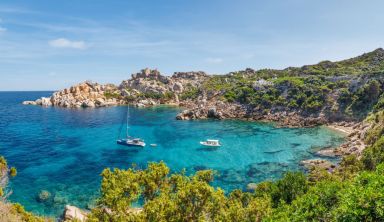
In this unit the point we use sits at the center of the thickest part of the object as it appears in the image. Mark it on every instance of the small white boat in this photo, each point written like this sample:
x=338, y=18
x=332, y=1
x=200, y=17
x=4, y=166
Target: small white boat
x=153, y=144
x=210, y=143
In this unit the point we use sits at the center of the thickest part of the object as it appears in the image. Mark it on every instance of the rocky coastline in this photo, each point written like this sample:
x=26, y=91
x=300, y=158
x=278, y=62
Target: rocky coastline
x=189, y=90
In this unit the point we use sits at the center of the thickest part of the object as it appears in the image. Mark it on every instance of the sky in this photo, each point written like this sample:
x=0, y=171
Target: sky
x=53, y=44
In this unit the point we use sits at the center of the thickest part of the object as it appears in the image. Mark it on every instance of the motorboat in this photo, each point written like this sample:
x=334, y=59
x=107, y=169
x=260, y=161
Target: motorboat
x=210, y=142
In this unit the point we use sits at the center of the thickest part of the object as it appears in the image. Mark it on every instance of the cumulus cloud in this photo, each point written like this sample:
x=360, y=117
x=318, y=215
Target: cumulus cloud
x=66, y=43
x=214, y=60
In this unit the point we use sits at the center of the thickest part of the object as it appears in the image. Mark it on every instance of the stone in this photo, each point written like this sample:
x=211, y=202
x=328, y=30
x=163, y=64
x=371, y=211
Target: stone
x=44, y=196
x=46, y=101
x=177, y=87
x=88, y=104
x=251, y=187
x=100, y=102
x=29, y=103
x=72, y=213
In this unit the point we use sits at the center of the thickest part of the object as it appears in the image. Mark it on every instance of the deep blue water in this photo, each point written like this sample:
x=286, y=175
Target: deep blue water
x=65, y=150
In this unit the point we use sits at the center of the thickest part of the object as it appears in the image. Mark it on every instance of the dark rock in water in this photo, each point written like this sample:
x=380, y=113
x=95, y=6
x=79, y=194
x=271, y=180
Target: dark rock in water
x=199, y=167
x=294, y=145
x=262, y=169
x=232, y=176
x=264, y=163
x=272, y=152
x=253, y=172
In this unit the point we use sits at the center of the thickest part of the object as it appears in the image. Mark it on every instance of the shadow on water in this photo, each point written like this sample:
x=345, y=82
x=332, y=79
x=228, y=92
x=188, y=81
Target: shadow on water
x=207, y=149
x=273, y=152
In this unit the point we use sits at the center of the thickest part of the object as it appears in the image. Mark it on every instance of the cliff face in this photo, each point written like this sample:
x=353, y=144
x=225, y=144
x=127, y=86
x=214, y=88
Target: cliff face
x=304, y=96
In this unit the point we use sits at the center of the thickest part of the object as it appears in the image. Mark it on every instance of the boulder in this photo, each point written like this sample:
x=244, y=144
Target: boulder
x=88, y=103
x=45, y=101
x=38, y=102
x=213, y=113
x=100, y=102
x=177, y=87
x=29, y=103
x=72, y=213
x=251, y=187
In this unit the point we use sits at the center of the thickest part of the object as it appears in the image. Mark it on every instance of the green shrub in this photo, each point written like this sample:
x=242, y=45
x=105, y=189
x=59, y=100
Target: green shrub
x=13, y=171
x=192, y=94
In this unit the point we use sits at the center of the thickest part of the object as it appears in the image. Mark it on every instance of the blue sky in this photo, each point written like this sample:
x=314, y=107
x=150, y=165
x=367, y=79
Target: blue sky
x=48, y=45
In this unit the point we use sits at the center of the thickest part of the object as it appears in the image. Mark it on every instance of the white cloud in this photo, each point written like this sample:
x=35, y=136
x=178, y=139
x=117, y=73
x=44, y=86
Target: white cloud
x=65, y=43
x=214, y=60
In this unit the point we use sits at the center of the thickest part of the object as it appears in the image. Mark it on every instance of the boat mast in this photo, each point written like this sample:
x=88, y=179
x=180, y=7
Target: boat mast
x=127, y=121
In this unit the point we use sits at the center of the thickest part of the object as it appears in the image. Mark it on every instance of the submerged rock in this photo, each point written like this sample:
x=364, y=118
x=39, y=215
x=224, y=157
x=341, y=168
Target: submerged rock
x=324, y=164
x=44, y=196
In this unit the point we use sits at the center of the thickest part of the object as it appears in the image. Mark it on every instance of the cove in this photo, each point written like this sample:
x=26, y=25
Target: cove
x=64, y=151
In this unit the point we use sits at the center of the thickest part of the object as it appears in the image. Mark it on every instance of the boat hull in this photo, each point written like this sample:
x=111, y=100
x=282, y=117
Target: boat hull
x=210, y=145
x=130, y=143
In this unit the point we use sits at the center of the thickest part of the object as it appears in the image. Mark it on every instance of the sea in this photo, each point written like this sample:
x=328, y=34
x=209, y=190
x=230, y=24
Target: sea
x=64, y=150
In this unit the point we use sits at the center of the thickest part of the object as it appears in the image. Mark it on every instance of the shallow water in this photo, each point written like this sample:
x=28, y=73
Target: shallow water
x=64, y=150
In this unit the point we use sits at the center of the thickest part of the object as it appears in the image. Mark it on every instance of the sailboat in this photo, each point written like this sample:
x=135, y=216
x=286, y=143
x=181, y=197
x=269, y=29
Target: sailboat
x=129, y=140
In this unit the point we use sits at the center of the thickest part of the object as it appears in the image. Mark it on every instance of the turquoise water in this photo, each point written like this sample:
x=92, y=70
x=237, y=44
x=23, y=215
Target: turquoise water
x=64, y=150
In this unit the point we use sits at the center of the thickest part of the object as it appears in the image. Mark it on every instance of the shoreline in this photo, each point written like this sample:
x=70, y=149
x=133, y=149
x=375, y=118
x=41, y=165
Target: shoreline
x=346, y=130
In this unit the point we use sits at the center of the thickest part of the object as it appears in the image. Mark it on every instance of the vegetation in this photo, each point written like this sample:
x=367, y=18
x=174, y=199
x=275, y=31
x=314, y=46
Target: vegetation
x=178, y=197
x=159, y=96
x=366, y=63
x=191, y=93
x=112, y=95
x=13, y=172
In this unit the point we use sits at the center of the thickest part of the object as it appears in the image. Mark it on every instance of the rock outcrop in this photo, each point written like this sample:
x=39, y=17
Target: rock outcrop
x=146, y=88
x=72, y=213
x=85, y=94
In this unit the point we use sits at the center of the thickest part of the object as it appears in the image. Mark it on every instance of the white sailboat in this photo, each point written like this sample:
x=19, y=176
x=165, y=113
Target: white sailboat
x=129, y=140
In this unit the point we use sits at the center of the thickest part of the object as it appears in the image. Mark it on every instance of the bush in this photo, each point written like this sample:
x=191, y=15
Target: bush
x=13, y=171
x=288, y=188
x=192, y=94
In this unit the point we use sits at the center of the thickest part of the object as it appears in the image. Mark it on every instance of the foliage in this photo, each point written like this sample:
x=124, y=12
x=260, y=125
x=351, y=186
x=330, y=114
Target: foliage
x=3, y=163
x=175, y=197
x=191, y=93
x=13, y=171
x=366, y=63
x=111, y=95
x=26, y=216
